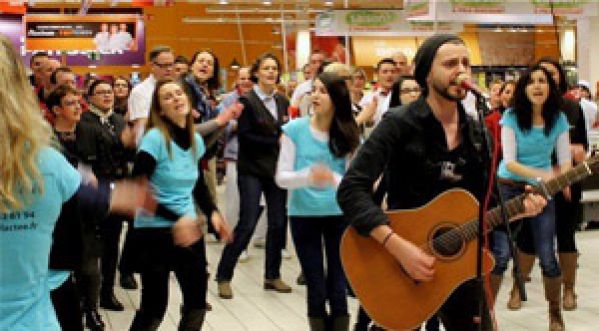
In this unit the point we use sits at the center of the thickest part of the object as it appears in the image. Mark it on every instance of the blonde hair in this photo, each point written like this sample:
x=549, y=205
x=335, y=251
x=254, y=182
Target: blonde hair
x=338, y=68
x=23, y=132
x=157, y=118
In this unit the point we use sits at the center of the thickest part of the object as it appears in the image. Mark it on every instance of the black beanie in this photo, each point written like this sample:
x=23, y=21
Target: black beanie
x=425, y=55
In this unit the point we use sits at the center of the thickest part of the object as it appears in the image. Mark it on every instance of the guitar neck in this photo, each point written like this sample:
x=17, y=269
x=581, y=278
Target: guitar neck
x=515, y=205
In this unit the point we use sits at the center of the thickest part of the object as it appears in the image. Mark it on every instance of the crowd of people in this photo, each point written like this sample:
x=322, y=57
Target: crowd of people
x=323, y=156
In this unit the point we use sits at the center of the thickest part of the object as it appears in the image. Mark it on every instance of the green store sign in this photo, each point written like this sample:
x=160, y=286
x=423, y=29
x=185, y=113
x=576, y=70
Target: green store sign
x=368, y=18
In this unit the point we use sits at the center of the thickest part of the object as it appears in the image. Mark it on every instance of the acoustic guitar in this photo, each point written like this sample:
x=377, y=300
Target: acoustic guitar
x=446, y=228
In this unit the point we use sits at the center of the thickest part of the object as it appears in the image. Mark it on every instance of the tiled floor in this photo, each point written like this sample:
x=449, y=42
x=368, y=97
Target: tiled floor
x=255, y=309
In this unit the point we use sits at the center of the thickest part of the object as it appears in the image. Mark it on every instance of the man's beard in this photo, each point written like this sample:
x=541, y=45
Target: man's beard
x=444, y=92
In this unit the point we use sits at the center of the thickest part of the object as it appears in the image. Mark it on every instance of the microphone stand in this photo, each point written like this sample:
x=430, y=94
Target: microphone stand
x=486, y=153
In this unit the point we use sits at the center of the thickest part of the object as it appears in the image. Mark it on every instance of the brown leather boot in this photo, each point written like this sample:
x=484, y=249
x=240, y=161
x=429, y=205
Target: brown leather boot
x=495, y=282
x=527, y=261
x=276, y=285
x=568, y=264
x=553, y=289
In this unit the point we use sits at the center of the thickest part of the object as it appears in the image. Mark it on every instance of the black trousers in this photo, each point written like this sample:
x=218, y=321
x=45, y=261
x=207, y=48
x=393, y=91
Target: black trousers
x=458, y=312
x=111, y=232
x=158, y=257
x=67, y=305
x=128, y=254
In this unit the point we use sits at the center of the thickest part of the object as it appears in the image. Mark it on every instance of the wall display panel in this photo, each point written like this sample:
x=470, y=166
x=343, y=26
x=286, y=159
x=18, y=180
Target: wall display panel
x=507, y=49
x=84, y=40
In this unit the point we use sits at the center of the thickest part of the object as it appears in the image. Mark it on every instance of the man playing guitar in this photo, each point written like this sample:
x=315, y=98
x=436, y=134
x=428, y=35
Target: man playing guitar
x=426, y=148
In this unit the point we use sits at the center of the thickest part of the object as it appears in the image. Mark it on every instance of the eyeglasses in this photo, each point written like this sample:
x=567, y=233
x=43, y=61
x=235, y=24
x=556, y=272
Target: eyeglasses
x=71, y=103
x=121, y=85
x=410, y=90
x=164, y=65
x=105, y=92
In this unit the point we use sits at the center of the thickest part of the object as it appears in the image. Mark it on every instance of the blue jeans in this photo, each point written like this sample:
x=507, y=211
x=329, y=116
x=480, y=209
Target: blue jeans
x=542, y=228
x=309, y=234
x=250, y=190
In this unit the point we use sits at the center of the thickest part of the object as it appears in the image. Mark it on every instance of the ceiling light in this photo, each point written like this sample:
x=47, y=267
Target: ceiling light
x=223, y=2
x=267, y=3
x=328, y=3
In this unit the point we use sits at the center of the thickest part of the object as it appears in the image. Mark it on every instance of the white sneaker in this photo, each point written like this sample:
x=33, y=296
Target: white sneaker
x=286, y=254
x=244, y=257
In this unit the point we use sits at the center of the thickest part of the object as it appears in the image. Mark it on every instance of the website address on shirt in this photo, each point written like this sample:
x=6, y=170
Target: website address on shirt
x=18, y=227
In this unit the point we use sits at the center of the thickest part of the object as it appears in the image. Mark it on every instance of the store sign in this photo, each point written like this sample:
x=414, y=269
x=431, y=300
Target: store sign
x=572, y=7
x=369, y=50
x=478, y=7
x=416, y=8
x=12, y=7
x=374, y=23
x=119, y=39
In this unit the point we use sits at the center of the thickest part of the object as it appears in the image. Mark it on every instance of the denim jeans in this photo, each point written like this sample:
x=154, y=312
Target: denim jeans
x=309, y=234
x=250, y=190
x=542, y=228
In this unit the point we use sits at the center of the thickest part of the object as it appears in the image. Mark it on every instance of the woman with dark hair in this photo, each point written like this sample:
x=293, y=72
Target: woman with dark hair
x=200, y=84
x=259, y=130
x=531, y=131
x=122, y=88
x=314, y=155
x=404, y=91
x=168, y=156
x=568, y=210
x=103, y=139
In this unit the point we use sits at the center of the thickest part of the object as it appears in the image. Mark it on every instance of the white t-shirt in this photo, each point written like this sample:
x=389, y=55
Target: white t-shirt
x=301, y=94
x=382, y=106
x=589, y=108
x=102, y=41
x=140, y=99
x=120, y=41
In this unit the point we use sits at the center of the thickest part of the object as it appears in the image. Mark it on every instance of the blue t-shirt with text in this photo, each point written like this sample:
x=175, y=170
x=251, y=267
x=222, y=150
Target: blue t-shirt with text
x=25, y=240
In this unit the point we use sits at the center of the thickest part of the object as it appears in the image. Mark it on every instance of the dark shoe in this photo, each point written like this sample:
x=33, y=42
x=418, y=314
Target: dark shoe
x=128, y=282
x=110, y=302
x=144, y=323
x=276, y=285
x=340, y=323
x=301, y=279
x=93, y=320
x=192, y=320
x=317, y=324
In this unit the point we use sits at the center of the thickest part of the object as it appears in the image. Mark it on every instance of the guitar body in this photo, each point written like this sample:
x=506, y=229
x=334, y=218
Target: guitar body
x=389, y=296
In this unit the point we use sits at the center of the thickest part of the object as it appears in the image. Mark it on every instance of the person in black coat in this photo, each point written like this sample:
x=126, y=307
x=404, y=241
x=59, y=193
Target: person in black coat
x=259, y=130
x=103, y=139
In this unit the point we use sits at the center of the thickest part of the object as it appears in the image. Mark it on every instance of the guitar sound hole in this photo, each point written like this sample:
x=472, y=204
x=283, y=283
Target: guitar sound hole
x=447, y=242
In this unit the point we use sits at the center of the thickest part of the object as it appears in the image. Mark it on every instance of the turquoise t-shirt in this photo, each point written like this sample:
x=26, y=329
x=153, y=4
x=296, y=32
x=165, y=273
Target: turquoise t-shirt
x=309, y=201
x=25, y=240
x=173, y=179
x=533, y=148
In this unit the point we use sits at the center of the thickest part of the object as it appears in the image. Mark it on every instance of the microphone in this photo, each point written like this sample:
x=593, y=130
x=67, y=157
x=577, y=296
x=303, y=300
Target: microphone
x=463, y=81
